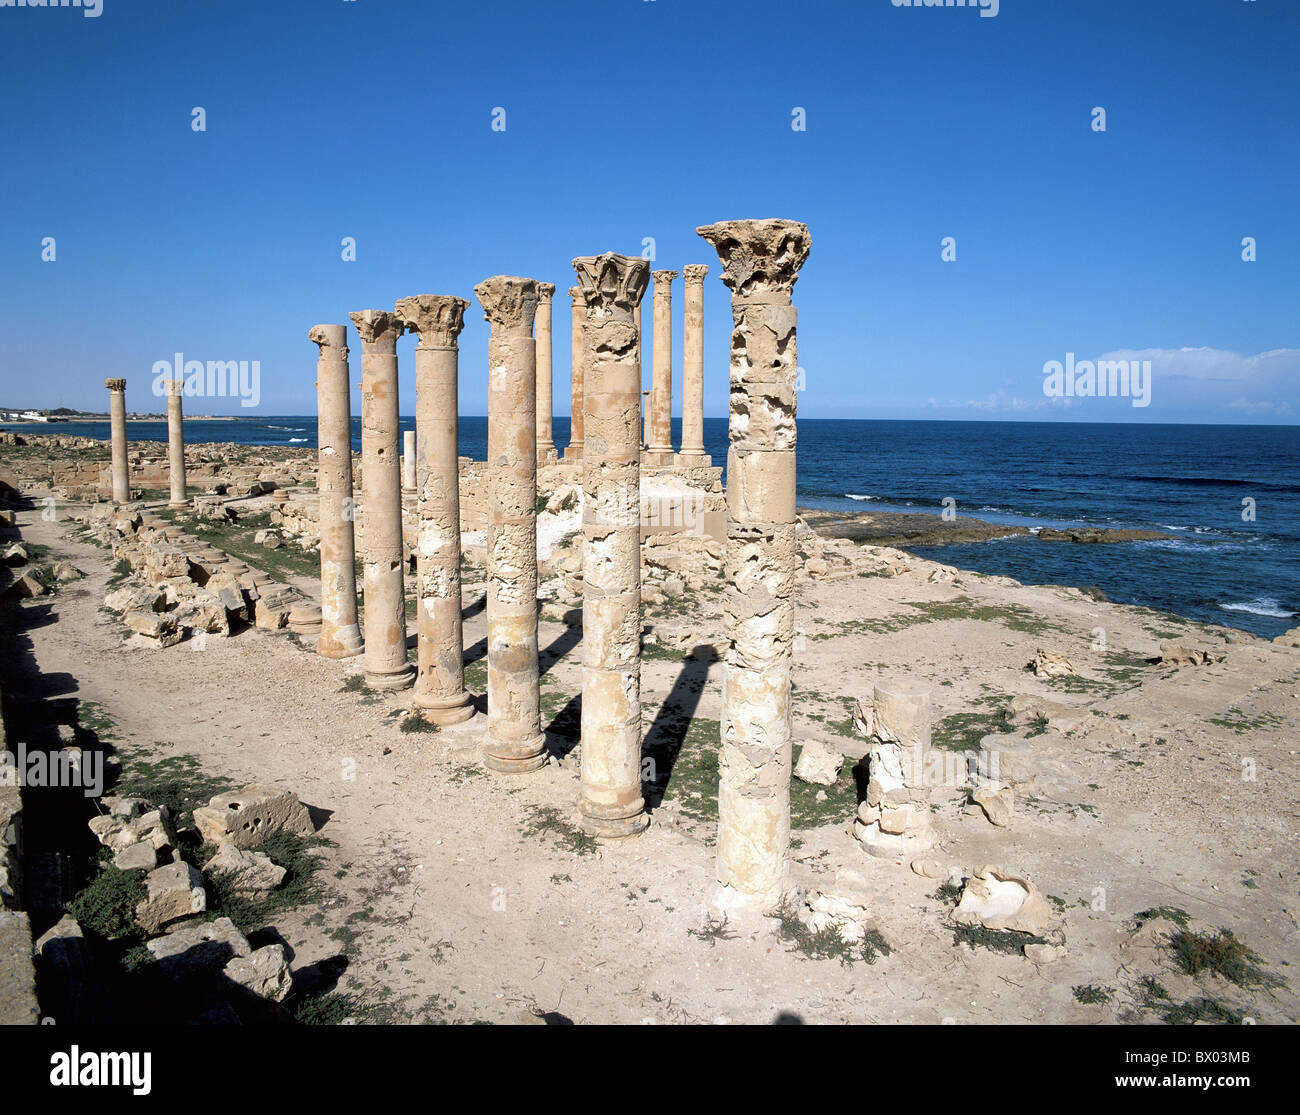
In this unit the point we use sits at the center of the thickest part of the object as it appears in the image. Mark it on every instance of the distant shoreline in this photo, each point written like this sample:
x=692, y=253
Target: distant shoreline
x=84, y=420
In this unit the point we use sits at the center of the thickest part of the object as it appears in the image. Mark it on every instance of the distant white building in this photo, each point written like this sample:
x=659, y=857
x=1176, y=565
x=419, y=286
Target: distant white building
x=32, y=416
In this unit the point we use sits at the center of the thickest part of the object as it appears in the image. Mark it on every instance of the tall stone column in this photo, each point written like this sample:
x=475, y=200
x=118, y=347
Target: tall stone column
x=176, y=443
x=340, y=636
x=693, y=367
x=515, y=741
x=660, y=444
x=383, y=585
x=760, y=264
x=574, y=450
x=117, y=439
x=645, y=394
x=408, y=460
x=611, y=803
x=545, y=438
x=440, y=680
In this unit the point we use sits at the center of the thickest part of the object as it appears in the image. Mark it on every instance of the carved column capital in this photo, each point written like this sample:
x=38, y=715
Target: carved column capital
x=509, y=302
x=663, y=279
x=436, y=318
x=115, y=384
x=695, y=272
x=544, y=291
x=174, y=387
x=612, y=283
x=330, y=336
x=377, y=327
x=760, y=259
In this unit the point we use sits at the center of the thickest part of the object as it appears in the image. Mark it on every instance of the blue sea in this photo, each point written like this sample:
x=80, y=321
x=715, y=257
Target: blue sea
x=1230, y=496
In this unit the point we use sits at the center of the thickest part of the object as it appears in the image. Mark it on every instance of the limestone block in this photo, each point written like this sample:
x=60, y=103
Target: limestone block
x=199, y=950
x=1027, y=710
x=819, y=763
x=63, y=948
x=141, y=856
x=998, y=803
x=1183, y=654
x=174, y=891
x=26, y=587
x=1050, y=664
x=247, y=817
x=249, y=873
x=265, y=973
x=158, y=626
x=999, y=899
x=15, y=555
x=133, y=599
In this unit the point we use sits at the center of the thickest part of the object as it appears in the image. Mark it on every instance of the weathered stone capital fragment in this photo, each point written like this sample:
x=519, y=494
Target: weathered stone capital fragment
x=509, y=302
x=760, y=259
x=174, y=387
x=575, y=292
x=377, y=327
x=612, y=285
x=663, y=279
x=330, y=336
x=695, y=272
x=436, y=318
x=115, y=384
x=545, y=291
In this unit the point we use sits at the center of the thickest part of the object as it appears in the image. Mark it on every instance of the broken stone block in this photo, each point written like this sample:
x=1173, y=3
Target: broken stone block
x=1007, y=759
x=160, y=628
x=195, y=951
x=928, y=869
x=564, y=497
x=131, y=599
x=1183, y=654
x=63, y=948
x=1027, y=710
x=175, y=891
x=819, y=764
x=15, y=555
x=141, y=856
x=250, y=873
x=271, y=610
x=1049, y=664
x=247, y=817
x=265, y=973
x=997, y=801
x=998, y=899
x=27, y=587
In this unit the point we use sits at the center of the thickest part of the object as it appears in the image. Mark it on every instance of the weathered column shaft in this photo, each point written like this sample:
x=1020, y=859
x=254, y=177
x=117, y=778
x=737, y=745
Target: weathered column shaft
x=611, y=803
x=383, y=583
x=176, y=443
x=117, y=439
x=574, y=450
x=515, y=740
x=693, y=364
x=545, y=437
x=760, y=261
x=408, y=460
x=661, y=393
x=340, y=637
x=440, y=692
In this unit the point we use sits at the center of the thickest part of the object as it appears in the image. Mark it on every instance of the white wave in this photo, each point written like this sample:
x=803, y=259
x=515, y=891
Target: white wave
x=1261, y=606
x=850, y=495
x=293, y=439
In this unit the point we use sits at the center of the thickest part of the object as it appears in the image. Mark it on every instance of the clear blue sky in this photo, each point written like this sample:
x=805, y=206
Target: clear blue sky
x=628, y=119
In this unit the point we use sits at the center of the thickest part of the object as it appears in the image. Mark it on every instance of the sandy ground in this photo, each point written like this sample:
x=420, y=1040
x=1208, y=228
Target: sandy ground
x=447, y=903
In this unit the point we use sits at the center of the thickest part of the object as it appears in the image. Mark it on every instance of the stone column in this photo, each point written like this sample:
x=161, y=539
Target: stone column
x=408, y=459
x=611, y=803
x=693, y=367
x=545, y=438
x=760, y=263
x=645, y=394
x=440, y=680
x=340, y=637
x=117, y=439
x=383, y=585
x=574, y=450
x=660, y=444
x=515, y=742
x=176, y=443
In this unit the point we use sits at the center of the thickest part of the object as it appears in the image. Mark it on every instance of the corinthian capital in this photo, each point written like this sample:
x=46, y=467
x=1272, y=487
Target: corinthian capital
x=330, y=336
x=695, y=272
x=115, y=384
x=663, y=279
x=174, y=387
x=436, y=318
x=377, y=327
x=544, y=291
x=611, y=282
x=508, y=301
x=759, y=258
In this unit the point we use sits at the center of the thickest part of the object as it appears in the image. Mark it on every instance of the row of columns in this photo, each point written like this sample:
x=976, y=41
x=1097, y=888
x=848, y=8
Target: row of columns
x=119, y=466
x=760, y=261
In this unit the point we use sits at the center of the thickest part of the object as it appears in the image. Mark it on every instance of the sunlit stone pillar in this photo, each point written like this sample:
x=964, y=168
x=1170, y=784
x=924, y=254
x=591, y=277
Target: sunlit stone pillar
x=692, y=452
x=515, y=740
x=574, y=450
x=440, y=680
x=176, y=443
x=611, y=803
x=340, y=637
x=545, y=437
x=660, y=442
x=117, y=439
x=383, y=584
x=408, y=460
x=760, y=264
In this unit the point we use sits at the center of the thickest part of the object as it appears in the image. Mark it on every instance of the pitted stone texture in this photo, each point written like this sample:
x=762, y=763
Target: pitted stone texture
x=611, y=802
x=515, y=742
x=340, y=635
x=440, y=693
x=760, y=261
x=247, y=817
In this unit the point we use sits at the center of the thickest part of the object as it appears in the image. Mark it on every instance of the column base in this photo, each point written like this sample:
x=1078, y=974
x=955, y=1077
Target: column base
x=693, y=459
x=725, y=901
x=516, y=758
x=342, y=642
x=444, y=711
x=178, y=505
x=546, y=451
x=573, y=453
x=397, y=679
x=597, y=820
x=657, y=456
